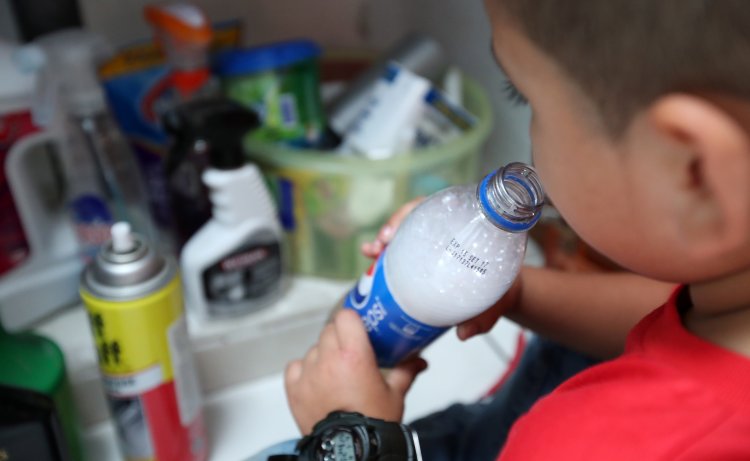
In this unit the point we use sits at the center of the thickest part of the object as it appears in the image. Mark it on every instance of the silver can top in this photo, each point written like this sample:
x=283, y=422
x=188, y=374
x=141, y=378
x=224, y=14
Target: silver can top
x=127, y=268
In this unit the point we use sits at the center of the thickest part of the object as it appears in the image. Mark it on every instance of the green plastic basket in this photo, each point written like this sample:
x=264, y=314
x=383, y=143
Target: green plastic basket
x=330, y=205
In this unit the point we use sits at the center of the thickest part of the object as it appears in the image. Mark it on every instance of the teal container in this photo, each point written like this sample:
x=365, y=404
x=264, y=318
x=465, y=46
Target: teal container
x=329, y=205
x=281, y=82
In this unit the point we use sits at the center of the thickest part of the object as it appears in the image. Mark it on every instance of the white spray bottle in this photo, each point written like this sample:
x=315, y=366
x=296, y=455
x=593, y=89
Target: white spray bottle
x=103, y=180
x=234, y=264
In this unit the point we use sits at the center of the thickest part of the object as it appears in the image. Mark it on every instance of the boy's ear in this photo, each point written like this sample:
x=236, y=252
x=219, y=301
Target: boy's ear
x=714, y=210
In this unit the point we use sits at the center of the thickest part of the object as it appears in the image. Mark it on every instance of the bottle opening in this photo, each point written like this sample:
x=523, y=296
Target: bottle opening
x=512, y=197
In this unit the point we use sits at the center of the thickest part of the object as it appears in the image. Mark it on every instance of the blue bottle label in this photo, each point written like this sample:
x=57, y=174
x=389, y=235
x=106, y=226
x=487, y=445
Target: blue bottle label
x=393, y=333
x=93, y=220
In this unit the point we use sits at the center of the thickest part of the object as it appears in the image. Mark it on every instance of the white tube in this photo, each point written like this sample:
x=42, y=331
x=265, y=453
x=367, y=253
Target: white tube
x=388, y=125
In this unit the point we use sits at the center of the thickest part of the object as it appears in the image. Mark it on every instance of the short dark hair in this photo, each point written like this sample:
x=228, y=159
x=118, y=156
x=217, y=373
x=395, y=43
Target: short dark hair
x=624, y=54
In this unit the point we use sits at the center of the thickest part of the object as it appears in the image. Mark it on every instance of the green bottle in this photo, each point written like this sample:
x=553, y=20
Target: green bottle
x=37, y=417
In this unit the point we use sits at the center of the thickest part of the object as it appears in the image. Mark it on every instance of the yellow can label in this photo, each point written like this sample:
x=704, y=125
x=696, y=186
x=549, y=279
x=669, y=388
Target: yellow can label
x=133, y=336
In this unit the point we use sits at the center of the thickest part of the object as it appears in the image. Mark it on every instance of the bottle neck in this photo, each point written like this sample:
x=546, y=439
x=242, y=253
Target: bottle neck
x=512, y=197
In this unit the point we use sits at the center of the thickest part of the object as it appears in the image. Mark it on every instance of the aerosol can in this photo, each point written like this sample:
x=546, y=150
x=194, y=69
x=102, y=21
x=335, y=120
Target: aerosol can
x=134, y=299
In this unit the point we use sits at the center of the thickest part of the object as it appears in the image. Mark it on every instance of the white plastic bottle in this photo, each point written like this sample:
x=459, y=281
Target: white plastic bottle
x=233, y=265
x=103, y=181
x=453, y=257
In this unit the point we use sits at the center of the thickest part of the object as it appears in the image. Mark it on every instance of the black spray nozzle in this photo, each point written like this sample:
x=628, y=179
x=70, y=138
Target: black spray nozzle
x=219, y=122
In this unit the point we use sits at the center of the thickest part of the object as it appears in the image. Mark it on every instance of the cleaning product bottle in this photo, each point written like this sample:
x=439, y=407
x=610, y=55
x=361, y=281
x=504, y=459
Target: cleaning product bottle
x=186, y=160
x=102, y=177
x=134, y=300
x=38, y=245
x=185, y=34
x=15, y=123
x=234, y=264
x=37, y=418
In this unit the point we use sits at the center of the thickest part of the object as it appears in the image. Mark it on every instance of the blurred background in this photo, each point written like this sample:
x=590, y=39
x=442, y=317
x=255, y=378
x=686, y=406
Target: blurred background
x=252, y=146
x=462, y=29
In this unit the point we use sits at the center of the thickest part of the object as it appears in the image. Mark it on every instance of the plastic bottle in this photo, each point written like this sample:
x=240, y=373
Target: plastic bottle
x=103, y=181
x=38, y=245
x=184, y=33
x=197, y=130
x=453, y=257
x=233, y=265
x=15, y=123
x=190, y=207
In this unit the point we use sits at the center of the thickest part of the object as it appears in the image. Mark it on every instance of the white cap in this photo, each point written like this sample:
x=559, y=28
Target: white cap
x=122, y=237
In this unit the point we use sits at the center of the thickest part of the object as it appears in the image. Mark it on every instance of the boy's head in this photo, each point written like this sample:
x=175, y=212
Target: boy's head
x=641, y=124
x=627, y=53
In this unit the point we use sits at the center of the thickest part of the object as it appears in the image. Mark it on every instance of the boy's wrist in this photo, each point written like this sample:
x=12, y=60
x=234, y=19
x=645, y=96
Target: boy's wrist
x=349, y=435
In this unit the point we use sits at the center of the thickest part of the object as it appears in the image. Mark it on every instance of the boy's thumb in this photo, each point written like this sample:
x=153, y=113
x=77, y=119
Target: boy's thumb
x=401, y=377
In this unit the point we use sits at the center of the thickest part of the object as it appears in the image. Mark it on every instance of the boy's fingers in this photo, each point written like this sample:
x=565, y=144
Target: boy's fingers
x=350, y=332
x=386, y=232
x=372, y=249
x=402, y=376
x=367, y=249
x=481, y=323
x=328, y=340
x=472, y=328
x=293, y=372
x=466, y=331
x=311, y=357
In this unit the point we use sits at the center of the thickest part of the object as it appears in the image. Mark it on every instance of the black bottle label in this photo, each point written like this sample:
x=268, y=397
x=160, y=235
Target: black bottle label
x=248, y=274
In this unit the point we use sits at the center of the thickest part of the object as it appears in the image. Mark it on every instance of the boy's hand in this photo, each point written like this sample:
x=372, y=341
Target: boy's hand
x=483, y=322
x=386, y=233
x=340, y=373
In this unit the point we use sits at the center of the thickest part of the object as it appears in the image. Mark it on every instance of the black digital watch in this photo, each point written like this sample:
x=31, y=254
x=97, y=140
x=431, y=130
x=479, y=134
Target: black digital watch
x=345, y=436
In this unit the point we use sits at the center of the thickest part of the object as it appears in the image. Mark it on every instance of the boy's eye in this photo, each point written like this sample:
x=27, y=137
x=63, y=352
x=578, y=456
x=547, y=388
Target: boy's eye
x=516, y=97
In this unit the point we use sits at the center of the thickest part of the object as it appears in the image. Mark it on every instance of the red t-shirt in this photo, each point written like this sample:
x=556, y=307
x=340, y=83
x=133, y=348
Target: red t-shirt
x=670, y=396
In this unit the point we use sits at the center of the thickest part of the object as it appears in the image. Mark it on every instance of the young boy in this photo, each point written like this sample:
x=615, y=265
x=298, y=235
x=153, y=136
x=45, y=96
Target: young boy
x=641, y=135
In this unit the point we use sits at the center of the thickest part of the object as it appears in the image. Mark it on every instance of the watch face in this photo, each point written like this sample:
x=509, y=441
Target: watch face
x=340, y=445
x=343, y=447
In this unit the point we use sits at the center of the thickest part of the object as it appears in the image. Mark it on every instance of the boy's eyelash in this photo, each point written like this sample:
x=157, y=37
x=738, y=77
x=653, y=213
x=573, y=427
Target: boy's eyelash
x=516, y=97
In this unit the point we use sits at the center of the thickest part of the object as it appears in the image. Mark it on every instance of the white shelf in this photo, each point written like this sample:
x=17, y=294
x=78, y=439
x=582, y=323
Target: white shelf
x=227, y=352
x=246, y=418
